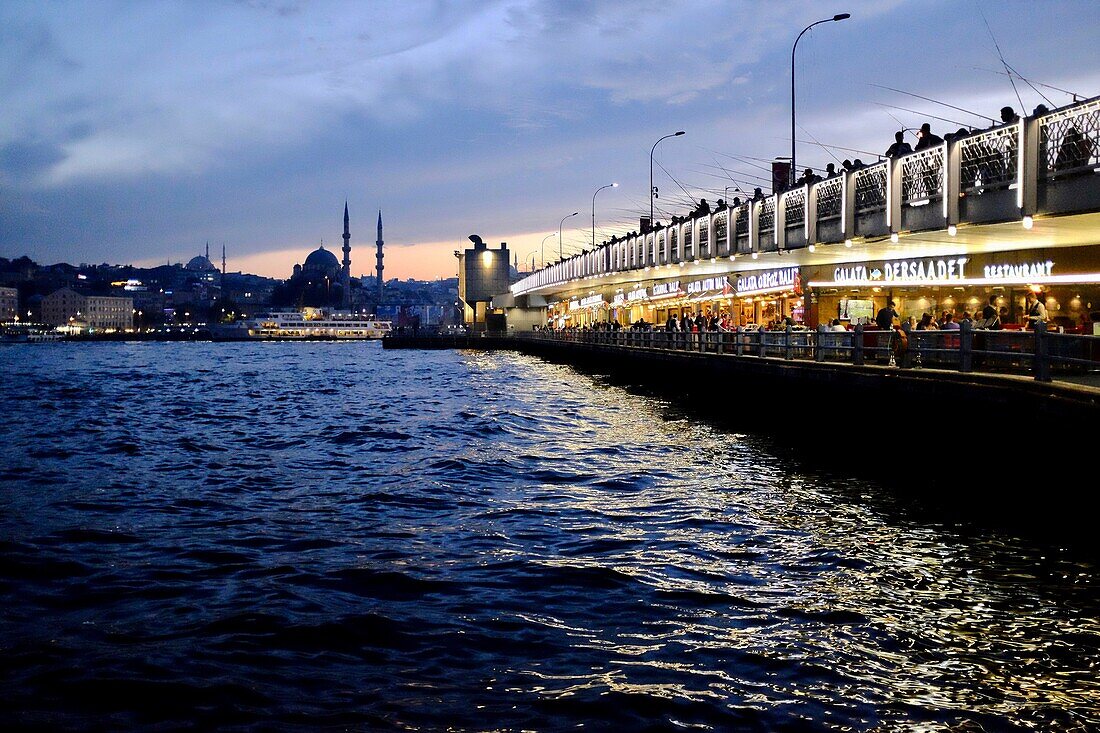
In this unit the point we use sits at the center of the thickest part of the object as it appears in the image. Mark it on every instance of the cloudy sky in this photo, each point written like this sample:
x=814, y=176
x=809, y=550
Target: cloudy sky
x=138, y=131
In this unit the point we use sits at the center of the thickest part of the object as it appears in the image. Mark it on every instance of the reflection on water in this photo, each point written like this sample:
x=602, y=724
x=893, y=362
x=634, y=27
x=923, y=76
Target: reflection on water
x=329, y=536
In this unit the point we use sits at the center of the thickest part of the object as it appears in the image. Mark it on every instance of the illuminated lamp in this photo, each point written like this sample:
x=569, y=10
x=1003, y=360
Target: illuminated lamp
x=952, y=230
x=756, y=255
x=1028, y=222
x=487, y=258
x=812, y=248
x=894, y=238
x=848, y=243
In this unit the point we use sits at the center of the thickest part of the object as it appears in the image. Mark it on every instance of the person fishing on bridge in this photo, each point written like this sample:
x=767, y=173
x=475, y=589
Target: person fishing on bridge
x=900, y=147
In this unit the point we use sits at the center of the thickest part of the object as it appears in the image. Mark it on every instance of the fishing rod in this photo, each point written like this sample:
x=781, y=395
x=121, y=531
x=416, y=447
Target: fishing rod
x=935, y=101
x=925, y=114
x=1000, y=55
x=902, y=125
x=1074, y=95
x=818, y=143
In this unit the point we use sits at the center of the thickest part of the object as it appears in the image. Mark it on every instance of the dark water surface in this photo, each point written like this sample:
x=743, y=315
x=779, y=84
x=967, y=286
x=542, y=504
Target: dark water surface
x=330, y=537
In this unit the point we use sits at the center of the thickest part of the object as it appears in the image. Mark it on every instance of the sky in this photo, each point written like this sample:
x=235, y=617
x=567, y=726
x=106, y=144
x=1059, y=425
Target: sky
x=135, y=132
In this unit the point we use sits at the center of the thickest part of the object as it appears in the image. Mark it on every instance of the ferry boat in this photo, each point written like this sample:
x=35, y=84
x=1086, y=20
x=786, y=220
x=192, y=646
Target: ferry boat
x=308, y=324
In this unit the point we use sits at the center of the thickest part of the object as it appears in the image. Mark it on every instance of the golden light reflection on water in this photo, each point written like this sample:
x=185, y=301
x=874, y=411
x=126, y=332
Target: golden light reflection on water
x=872, y=610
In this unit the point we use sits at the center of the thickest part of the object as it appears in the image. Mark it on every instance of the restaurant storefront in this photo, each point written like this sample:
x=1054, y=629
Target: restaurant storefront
x=767, y=297
x=1069, y=278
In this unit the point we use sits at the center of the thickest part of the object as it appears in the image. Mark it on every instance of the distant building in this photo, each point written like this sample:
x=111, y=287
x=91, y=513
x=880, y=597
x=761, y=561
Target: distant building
x=61, y=305
x=65, y=306
x=9, y=304
x=482, y=274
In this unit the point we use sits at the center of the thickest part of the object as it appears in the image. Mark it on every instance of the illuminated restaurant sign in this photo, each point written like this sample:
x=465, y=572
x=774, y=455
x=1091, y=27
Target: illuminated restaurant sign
x=638, y=294
x=1019, y=272
x=709, y=284
x=574, y=305
x=619, y=299
x=950, y=270
x=785, y=278
x=666, y=290
x=592, y=301
x=929, y=270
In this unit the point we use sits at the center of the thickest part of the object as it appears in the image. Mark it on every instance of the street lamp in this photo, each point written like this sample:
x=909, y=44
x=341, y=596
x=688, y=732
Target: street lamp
x=652, y=193
x=837, y=17
x=610, y=185
x=544, y=247
x=561, y=256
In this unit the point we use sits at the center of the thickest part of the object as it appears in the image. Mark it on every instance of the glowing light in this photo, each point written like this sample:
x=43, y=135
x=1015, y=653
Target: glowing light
x=756, y=255
x=812, y=248
x=848, y=243
x=1028, y=222
x=487, y=258
x=894, y=237
x=952, y=230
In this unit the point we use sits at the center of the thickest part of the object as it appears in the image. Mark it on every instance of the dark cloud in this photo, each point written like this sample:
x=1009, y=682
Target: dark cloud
x=22, y=162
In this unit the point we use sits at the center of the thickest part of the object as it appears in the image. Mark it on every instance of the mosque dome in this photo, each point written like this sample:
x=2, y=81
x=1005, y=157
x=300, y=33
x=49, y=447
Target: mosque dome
x=321, y=262
x=200, y=264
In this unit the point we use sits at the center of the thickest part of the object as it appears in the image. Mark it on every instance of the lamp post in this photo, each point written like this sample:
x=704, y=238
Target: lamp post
x=561, y=255
x=544, y=247
x=837, y=17
x=610, y=185
x=652, y=193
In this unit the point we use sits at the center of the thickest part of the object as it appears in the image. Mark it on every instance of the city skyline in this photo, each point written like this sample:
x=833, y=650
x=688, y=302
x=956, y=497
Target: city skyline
x=252, y=125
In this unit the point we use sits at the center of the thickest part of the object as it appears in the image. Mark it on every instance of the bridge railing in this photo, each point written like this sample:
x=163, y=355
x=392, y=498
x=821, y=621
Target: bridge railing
x=1040, y=353
x=1070, y=140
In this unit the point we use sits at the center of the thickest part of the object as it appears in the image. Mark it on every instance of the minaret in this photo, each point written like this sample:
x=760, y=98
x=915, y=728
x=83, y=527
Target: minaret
x=223, y=259
x=208, y=250
x=379, y=243
x=345, y=273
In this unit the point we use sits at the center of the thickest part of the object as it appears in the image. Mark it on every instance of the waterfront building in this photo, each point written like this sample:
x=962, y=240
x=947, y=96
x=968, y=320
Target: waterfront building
x=482, y=273
x=67, y=307
x=9, y=305
x=1000, y=214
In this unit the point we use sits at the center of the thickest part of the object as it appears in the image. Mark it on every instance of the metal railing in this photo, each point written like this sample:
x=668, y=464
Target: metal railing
x=741, y=221
x=829, y=198
x=989, y=160
x=1069, y=140
x=922, y=176
x=871, y=188
x=721, y=233
x=1039, y=353
x=794, y=207
x=766, y=218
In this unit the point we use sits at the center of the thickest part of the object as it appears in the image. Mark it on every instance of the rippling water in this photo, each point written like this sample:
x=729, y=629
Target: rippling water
x=329, y=536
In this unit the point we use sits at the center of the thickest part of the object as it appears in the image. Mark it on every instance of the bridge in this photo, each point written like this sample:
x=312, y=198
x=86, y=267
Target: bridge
x=997, y=212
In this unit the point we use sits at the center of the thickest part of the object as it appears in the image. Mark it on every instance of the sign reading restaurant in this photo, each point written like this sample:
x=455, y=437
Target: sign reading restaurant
x=764, y=281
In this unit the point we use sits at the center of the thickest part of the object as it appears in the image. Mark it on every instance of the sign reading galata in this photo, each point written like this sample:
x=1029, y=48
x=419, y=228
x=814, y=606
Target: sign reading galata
x=929, y=270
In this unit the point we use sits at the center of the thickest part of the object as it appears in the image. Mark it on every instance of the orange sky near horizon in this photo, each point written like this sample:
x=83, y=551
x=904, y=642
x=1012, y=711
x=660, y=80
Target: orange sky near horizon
x=426, y=261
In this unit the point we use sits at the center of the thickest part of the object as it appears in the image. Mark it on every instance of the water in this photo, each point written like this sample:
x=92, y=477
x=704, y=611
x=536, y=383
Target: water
x=331, y=537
